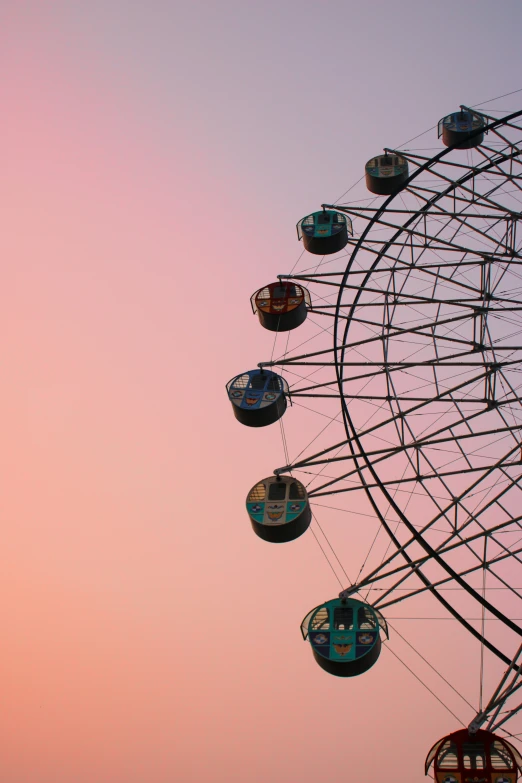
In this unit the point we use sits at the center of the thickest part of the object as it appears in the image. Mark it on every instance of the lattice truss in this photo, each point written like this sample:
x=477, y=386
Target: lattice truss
x=416, y=352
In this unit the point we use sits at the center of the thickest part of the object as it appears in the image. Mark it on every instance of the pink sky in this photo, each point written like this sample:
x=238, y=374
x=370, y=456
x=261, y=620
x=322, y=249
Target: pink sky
x=155, y=160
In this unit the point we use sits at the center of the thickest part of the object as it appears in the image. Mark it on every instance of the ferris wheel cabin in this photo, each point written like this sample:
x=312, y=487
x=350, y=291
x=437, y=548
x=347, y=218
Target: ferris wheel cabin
x=258, y=397
x=278, y=508
x=345, y=636
x=324, y=232
x=281, y=306
x=482, y=756
x=461, y=128
x=386, y=173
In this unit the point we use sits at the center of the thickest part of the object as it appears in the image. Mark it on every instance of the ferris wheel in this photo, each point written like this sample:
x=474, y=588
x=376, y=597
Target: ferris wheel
x=415, y=356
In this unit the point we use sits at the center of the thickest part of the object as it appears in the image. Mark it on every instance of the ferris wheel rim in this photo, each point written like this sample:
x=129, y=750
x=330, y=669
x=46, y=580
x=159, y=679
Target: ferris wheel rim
x=351, y=430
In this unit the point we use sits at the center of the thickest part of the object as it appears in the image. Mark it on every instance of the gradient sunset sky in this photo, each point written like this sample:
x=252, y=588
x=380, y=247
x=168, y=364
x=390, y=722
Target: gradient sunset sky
x=155, y=159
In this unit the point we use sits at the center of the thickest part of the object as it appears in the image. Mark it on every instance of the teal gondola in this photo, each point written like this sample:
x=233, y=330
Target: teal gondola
x=344, y=634
x=324, y=232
